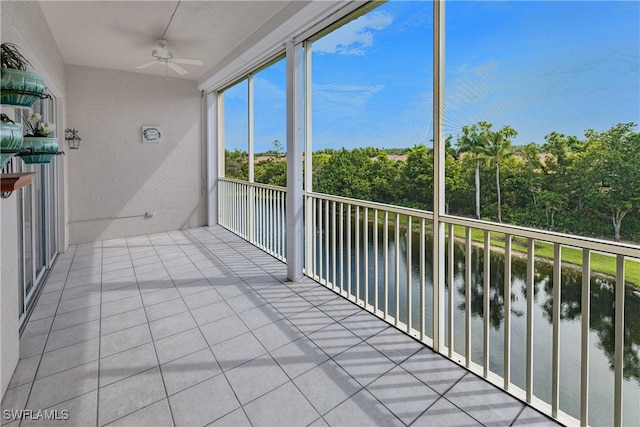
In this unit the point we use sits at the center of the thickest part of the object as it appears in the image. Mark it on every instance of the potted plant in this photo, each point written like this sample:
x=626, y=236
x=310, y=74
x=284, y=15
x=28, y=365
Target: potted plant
x=39, y=139
x=19, y=87
x=11, y=134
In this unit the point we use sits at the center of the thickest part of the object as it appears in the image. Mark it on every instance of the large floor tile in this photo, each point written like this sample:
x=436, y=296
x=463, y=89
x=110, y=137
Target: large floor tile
x=165, y=309
x=16, y=398
x=124, y=340
x=81, y=411
x=179, y=345
x=121, y=306
x=529, y=417
x=364, y=363
x=200, y=299
x=127, y=363
x=25, y=372
x=403, y=394
x=238, y=350
x=311, y=320
x=334, y=339
x=172, y=325
x=187, y=371
x=364, y=325
x=122, y=321
x=124, y=397
x=236, y=418
x=76, y=317
x=326, y=386
x=68, y=357
x=268, y=409
x=223, y=330
x=212, y=312
x=255, y=378
x=362, y=409
x=444, y=413
x=395, y=345
x=434, y=370
x=299, y=357
x=195, y=405
x=483, y=401
x=157, y=414
x=73, y=335
x=260, y=316
x=277, y=334
x=64, y=386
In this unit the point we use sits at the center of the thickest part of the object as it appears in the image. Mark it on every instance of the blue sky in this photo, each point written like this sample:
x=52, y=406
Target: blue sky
x=537, y=66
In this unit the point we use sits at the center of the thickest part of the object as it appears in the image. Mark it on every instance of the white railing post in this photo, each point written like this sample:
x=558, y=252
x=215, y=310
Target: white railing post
x=486, y=291
x=530, y=304
x=295, y=236
x=507, y=311
x=618, y=357
x=585, y=327
x=555, y=324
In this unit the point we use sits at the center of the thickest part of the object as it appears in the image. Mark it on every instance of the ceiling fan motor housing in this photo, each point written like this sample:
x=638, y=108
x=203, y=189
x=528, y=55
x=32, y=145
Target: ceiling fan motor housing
x=163, y=56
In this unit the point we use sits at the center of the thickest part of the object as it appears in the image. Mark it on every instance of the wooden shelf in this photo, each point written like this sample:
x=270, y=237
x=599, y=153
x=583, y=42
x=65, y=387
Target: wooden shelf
x=14, y=181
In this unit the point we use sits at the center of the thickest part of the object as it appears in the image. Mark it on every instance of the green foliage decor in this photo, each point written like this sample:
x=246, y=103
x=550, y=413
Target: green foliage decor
x=18, y=85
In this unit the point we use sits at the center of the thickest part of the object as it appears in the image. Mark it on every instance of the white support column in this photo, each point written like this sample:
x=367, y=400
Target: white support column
x=309, y=232
x=212, y=158
x=438, y=176
x=220, y=141
x=250, y=125
x=251, y=149
x=295, y=225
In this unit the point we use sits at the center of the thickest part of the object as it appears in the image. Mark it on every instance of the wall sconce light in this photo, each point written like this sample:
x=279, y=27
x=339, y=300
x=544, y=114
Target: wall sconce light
x=72, y=138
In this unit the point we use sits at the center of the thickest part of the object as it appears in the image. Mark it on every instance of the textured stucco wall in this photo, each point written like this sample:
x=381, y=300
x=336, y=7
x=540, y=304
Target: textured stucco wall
x=9, y=347
x=114, y=178
x=24, y=24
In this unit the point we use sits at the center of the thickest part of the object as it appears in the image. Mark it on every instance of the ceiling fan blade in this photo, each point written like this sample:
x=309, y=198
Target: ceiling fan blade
x=148, y=64
x=178, y=69
x=188, y=61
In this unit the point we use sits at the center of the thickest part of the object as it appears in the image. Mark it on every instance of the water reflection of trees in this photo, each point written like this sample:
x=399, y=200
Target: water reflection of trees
x=496, y=287
x=602, y=302
x=602, y=316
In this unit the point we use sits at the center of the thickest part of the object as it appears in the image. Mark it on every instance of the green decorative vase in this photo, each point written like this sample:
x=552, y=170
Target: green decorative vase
x=20, y=88
x=11, y=139
x=46, y=147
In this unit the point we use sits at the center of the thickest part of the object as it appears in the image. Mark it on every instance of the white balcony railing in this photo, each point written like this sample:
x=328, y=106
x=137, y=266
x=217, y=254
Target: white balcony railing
x=539, y=350
x=256, y=212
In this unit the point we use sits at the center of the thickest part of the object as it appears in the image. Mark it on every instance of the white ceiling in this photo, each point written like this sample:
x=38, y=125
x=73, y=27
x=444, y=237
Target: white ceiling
x=120, y=35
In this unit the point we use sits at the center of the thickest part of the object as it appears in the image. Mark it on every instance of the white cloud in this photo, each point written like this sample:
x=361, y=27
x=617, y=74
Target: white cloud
x=342, y=100
x=354, y=37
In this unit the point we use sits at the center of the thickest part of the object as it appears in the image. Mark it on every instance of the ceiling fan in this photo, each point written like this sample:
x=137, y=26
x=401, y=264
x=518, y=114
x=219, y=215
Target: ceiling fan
x=164, y=56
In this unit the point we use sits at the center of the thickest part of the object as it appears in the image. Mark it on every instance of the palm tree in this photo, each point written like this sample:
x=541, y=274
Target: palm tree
x=496, y=149
x=473, y=141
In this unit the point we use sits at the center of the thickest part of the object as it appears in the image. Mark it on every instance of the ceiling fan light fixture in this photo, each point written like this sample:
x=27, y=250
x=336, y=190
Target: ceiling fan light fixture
x=162, y=55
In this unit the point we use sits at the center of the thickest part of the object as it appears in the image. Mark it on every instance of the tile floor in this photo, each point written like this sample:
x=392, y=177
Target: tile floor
x=198, y=327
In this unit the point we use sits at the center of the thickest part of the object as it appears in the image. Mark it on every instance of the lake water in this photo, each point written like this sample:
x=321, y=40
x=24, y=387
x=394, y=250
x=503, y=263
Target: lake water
x=602, y=324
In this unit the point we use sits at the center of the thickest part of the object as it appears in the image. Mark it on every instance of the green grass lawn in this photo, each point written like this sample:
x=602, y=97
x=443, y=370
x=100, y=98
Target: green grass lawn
x=600, y=263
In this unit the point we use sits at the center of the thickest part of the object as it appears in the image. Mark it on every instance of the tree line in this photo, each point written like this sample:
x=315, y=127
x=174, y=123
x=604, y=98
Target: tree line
x=586, y=186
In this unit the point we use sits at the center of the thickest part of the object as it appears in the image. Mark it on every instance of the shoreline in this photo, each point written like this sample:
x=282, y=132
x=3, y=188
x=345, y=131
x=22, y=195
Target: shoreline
x=517, y=253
